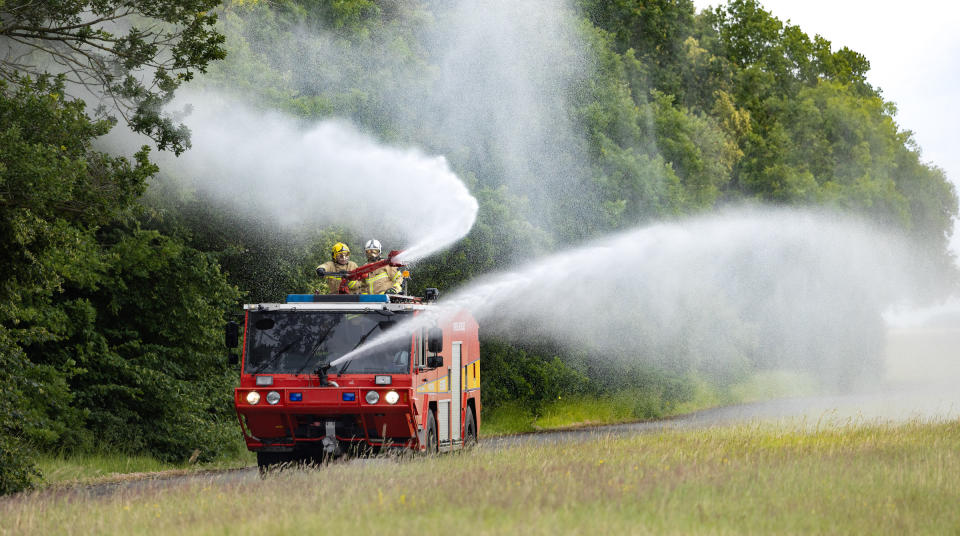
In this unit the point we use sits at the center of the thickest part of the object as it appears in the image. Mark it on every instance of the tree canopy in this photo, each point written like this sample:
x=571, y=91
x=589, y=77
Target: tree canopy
x=132, y=54
x=87, y=353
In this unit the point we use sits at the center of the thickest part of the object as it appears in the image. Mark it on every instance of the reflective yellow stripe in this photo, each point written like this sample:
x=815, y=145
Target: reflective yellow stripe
x=398, y=280
x=335, y=281
x=383, y=274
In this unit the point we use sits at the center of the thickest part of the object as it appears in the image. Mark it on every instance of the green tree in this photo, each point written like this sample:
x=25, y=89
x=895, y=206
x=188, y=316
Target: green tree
x=531, y=376
x=655, y=30
x=700, y=152
x=110, y=332
x=816, y=131
x=148, y=343
x=132, y=53
x=54, y=192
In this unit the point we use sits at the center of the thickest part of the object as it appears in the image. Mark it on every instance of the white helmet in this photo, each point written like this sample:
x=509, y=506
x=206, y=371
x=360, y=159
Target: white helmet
x=373, y=244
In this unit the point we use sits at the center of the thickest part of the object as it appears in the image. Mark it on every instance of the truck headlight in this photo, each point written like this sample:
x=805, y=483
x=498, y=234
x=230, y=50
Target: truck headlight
x=273, y=397
x=253, y=398
x=372, y=397
x=391, y=397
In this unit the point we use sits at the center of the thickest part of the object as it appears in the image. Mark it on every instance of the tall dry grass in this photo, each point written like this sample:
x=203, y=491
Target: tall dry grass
x=770, y=478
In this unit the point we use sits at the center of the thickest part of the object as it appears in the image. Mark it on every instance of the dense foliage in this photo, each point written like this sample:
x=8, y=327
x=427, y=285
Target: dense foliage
x=132, y=54
x=110, y=332
x=111, y=303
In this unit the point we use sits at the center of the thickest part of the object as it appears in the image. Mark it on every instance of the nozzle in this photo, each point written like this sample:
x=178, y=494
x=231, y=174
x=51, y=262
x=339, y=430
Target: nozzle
x=393, y=255
x=322, y=373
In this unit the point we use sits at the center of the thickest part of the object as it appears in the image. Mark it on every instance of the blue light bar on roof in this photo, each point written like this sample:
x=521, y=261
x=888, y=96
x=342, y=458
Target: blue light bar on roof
x=341, y=298
x=374, y=298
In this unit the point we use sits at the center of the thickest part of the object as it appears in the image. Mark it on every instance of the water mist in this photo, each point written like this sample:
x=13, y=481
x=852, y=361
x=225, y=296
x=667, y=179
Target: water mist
x=308, y=175
x=721, y=295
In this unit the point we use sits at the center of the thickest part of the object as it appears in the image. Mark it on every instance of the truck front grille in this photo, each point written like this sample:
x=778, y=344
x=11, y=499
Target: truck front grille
x=315, y=426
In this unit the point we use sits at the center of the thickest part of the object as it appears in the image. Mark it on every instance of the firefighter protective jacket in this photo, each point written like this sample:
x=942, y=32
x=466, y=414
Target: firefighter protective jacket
x=383, y=279
x=333, y=283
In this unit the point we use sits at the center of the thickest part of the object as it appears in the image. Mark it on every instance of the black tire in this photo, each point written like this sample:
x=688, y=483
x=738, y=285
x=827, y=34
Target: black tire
x=266, y=460
x=469, y=429
x=431, y=434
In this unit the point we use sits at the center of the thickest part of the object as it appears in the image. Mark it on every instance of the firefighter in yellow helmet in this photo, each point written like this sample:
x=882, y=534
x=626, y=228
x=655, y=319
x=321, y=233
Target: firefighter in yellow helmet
x=384, y=280
x=340, y=262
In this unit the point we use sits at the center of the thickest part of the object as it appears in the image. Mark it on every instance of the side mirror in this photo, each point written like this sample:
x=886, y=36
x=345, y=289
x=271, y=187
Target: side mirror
x=233, y=359
x=435, y=340
x=232, y=334
x=434, y=361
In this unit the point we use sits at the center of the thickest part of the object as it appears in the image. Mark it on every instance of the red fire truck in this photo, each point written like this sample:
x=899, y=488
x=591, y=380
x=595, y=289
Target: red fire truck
x=410, y=378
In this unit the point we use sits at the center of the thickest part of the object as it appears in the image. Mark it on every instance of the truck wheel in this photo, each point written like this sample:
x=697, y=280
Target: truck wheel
x=265, y=460
x=469, y=430
x=431, y=433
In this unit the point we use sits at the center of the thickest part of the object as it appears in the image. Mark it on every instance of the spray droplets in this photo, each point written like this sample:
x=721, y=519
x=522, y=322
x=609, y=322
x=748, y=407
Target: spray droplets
x=719, y=295
x=306, y=176
x=750, y=288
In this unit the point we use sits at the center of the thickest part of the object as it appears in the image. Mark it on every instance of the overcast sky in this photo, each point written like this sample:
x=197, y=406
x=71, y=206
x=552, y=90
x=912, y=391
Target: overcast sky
x=914, y=54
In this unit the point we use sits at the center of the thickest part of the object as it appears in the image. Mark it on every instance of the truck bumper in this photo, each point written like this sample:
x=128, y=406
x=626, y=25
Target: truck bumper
x=327, y=420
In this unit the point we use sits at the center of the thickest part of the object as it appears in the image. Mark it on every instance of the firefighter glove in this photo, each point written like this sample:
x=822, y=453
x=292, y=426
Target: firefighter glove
x=390, y=291
x=321, y=271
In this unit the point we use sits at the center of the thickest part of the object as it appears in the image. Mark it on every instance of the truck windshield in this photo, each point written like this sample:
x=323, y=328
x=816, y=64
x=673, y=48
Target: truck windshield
x=298, y=342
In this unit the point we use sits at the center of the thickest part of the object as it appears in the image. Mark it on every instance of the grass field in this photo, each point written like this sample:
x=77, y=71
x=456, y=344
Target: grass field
x=93, y=468
x=780, y=478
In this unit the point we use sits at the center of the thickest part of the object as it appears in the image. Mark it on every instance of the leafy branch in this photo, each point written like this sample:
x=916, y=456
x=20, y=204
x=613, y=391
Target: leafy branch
x=130, y=56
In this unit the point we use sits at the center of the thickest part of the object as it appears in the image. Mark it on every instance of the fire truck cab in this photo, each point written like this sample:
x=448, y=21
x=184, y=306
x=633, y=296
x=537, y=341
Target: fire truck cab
x=409, y=378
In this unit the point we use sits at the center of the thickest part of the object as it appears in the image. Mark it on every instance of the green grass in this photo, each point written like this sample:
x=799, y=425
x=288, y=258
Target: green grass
x=510, y=418
x=88, y=468
x=769, y=385
x=637, y=405
x=579, y=411
x=781, y=478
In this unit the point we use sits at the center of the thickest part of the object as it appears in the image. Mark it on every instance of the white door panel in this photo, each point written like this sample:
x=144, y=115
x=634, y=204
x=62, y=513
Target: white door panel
x=456, y=375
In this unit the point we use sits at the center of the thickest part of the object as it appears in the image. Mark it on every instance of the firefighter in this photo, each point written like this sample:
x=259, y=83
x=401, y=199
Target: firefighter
x=340, y=262
x=384, y=280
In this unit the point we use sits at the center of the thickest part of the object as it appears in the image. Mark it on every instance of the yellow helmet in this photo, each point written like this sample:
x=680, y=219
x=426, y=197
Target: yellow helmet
x=339, y=248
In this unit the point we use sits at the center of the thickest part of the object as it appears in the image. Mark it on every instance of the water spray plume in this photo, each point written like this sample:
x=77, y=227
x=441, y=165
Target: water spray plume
x=744, y=289
x=310, y=175
x=785, y=289
x=487, y=83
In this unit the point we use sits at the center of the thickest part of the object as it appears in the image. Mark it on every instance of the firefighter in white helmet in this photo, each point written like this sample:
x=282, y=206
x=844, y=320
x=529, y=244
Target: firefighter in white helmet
x=340, y=262
x=384, y=280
